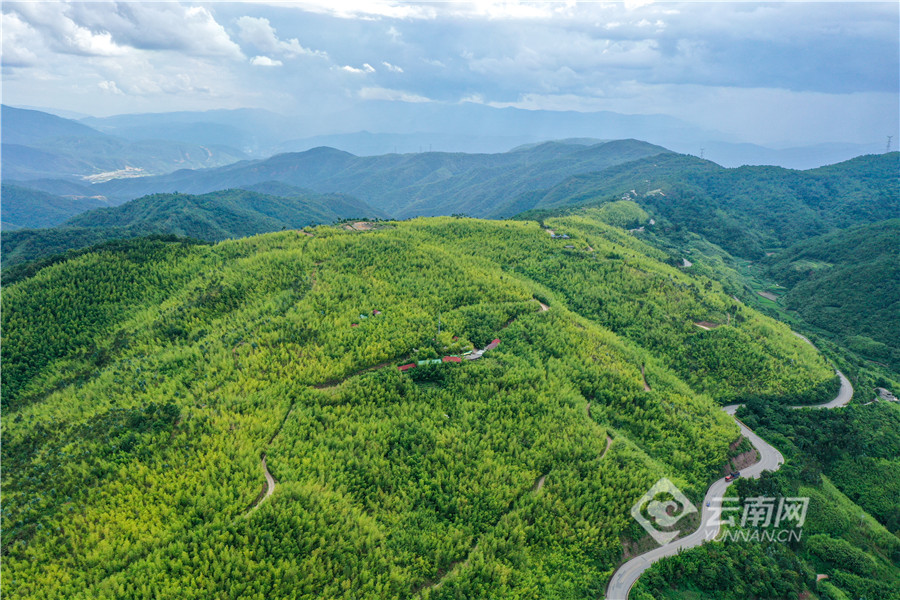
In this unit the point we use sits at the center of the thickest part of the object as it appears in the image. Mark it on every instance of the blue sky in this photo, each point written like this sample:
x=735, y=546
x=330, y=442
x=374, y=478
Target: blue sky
x=768, y=73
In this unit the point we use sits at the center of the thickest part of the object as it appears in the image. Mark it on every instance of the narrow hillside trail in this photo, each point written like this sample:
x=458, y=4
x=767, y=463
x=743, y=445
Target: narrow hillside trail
x=644, y=377
x=609, y=439
x=270, y=487
x=770, y=459
x=459, y=565
x=336, y=382
x=270, y=481
x=537, y=487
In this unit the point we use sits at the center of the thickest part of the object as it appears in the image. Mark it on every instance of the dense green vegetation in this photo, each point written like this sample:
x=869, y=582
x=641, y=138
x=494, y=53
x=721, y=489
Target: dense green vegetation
x=24, y=207
x=847, y=282
x=211, y=217
x=748, y=210
x=404, y=185
x=857, y=447
x=143, y=381
x=839, y=288
x=846, y=461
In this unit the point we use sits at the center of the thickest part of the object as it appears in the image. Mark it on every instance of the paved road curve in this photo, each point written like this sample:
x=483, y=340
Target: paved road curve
x=842, y=399
x=770, y=460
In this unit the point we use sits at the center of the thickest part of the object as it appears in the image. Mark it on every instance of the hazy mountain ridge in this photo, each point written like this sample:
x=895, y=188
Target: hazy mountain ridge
x=402, y=185
x=467, y=127
x=39, y=145
x=29, y=208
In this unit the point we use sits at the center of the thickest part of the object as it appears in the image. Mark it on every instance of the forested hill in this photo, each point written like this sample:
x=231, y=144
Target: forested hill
x=24, y=207
x=847, y=282
x=747, y=210
x=142, y=383
x=404, y=185
x=211, y=217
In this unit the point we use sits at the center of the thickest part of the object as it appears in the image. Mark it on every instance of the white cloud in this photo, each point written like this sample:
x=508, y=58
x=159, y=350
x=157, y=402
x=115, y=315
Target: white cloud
x=191, y=29
x=63, y=33
x=109, y=86
x=634, y=4
x=265, y=61
x=392, y=68
x=380, y=93
x=365, y=9
x=366, y=68
x=113, y=30
x=259, y=33
x=17, y=34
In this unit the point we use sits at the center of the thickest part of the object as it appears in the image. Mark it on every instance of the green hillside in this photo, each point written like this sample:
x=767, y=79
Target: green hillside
x=846, y=462
x=405, y=185
x=24, y=207
x=211, y=217
x=848, y=283
x=142, y=383
x=747, y=210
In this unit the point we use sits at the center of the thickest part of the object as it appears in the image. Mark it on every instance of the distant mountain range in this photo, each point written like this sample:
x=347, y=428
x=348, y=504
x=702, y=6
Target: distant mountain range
x=404, y=185
x=381, y=127
x=38, y=145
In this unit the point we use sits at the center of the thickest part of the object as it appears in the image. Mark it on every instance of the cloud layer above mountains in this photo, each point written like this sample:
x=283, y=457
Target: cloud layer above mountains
x=766, y=72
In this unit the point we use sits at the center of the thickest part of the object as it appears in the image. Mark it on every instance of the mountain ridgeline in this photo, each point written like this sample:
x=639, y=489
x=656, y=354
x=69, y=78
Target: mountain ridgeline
x=746, y=211
x=40, y=145
x=29, y=208
x=404, y=185
x=210, y=217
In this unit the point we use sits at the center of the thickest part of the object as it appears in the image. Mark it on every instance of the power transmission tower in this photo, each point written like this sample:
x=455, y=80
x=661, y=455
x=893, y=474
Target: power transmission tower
x=701, y=152
x=888, y=147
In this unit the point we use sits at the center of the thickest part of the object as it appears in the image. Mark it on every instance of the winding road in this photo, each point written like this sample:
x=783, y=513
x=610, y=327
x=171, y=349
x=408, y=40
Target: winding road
x=770, y=459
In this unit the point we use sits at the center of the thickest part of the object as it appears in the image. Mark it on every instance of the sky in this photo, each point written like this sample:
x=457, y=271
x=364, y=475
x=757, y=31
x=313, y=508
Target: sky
x=797, y=72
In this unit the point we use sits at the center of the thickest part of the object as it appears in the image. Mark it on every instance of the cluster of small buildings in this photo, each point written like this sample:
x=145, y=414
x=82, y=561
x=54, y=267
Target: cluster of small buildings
x=470, y=355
